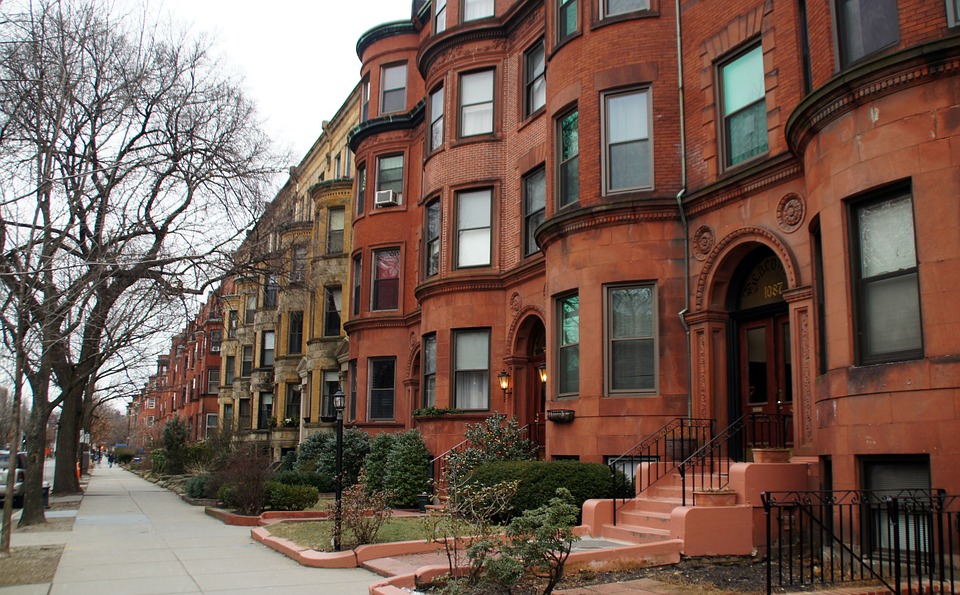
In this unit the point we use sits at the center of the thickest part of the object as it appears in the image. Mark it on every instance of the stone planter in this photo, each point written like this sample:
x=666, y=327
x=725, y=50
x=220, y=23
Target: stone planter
x=771, y=455
x=715, y=498
x=560, y=416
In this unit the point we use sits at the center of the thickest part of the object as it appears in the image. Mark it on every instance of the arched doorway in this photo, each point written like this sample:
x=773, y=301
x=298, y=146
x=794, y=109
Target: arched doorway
x=759, y=358
x=530, y=391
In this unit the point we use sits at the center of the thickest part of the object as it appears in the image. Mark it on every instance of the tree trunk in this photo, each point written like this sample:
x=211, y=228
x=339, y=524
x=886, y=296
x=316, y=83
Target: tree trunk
x=32, y=513
x=65, y=479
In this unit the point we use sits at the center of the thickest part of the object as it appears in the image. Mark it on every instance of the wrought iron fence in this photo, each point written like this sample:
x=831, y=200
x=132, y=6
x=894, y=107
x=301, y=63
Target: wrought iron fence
x=905, y=541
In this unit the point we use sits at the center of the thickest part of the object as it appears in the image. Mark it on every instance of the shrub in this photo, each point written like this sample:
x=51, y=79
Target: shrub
x=158, y=460
x=292, y=497
x=227, y=494
x=322, y=483
x=197, y=486
x=541, y=540
x=124, y=458
x=175, y=446
x=376, y=465
x=248, y=469
x=309, y=454
x=356, y=445
x=495, y=439
x=364, y=511
x=539, y=481
x=407, y=472
x=286, y=464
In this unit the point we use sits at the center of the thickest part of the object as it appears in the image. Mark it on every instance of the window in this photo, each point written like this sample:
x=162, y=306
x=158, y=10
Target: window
x=567, y=24
x=335, y=219
x=292, y=404
x=471, y=369
x=266, y=411
x=336, y=167
x=535, y=79
x=473, y=228
x=386, y=279
x=440, y=16
x=436, y=119
x=269, y=344
x=233, y=321
x=361, y=188
x=432, y=239
x=865, y=27
x=216, y=338
x=390, y=175
x=151, y=420
x=430, y=370
x=246, y=366
x=298, y=269
x=534, y=203
x=228, y=416
x=476, y=103
x=151, y=403
x=270, y=292
x=211, y=423
x=365, y=100
x=614, y=7
x=213, y=381
x=382, y=387
x=568, y=348
x=295, y=333
x=231, y=365
x=332, y=307
x=251, y=309
x=393, y=84
x=631, y=344
x=352, y=373
x=357, y=271
x=477, y=9
x=953, y=13
x=628, y=160
x=569, y=151
x=744, y=107
x=887, y=296
x=331, y=384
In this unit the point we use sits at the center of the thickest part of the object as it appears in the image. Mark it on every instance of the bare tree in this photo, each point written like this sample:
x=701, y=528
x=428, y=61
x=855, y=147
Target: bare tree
x=135, y=165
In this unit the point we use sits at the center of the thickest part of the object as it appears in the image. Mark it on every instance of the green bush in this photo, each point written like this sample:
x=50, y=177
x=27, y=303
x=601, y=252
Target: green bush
x=292, y=497
x=376, y=465
x=248, y=471
x=308, y=455
x=227, y=494
x=497, y=438
x=158, y=460
x=197, y=486
x=322, y=483
x=356, y=445
x=407, y=472
x=124, y=458
x=286, y=464
x=539, y=481
x=175, y=446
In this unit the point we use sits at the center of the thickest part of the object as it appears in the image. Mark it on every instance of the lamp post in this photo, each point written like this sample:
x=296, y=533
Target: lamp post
x=504, y=379
x=339, y=404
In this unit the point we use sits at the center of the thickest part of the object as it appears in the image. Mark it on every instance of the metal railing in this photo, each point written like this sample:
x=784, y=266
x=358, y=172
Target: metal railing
x=656, y=456
x=709, y=467
x=906, y=541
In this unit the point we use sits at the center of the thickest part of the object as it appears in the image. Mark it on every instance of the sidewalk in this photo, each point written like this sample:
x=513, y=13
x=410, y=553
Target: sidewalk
x=132, y=537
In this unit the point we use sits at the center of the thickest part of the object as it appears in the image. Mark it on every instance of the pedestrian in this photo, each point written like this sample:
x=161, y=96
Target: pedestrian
x=110, y=459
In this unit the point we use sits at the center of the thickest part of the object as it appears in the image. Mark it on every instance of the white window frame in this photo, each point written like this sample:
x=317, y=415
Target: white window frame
x=479, y=105
x=479, y=370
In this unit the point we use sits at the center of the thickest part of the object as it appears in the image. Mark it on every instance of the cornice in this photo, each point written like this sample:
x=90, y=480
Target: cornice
x=331, y=186
x=406, y=121
x=766, y=173
x=383, y=31
x=457, y=285
x=867, y=82
x=605, y=215
x=381, y=322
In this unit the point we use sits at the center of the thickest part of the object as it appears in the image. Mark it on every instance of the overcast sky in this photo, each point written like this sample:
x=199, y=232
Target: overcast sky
x=297, y=57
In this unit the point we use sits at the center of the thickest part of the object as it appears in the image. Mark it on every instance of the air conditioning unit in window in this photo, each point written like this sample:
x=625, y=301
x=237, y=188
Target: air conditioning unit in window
x=214, y=349
x=384, y=198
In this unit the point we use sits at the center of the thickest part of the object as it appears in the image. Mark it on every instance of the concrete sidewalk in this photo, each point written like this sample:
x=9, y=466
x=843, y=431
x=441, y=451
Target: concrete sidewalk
x=132, y=537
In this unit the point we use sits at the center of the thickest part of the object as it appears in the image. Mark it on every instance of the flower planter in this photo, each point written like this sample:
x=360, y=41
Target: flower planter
x=771, y=455
x=715, y=498
x=561, y=416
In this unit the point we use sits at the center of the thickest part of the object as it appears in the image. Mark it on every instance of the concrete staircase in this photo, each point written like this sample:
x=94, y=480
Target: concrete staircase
x=646, y=518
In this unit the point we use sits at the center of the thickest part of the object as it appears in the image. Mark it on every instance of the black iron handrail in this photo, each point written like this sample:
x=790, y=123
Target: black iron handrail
x=708, y=468
x=656, y=456
x=907, y=541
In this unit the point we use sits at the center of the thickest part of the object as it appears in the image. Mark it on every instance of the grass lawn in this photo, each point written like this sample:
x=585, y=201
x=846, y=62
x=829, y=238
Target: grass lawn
x=317, y=535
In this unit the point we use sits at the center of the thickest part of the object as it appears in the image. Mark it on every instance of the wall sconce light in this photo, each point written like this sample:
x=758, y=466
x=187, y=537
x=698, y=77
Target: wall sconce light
x=542, y=370
x=504, y=379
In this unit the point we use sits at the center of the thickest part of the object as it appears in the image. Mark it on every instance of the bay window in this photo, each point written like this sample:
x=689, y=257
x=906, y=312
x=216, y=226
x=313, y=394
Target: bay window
x=631, y=338
x=471, y=369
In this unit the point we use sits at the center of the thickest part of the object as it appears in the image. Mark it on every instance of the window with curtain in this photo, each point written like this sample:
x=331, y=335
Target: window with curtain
x=436, y=119
x=386, y=279
x=744, y=107
x=390, y=175
x=429, y=390
x=439, y=16
x=335, y=219
x=431, y=236
x=477, y=9
x=251, y=310
x=471, y=369
x=534, y=203
x=631, y=338
x=393, y=85
x=887, y=293
x=628, y=160
x=865, y=27
x=382, y=387
x=294, y=395
x=615, y=7
x=331, y=311
x=568, y=141
x=567, y=19
x=476, y=103
x=535, y=79
x=473, y=228
x=269, y=344
x=295, y=332
x=568, y=345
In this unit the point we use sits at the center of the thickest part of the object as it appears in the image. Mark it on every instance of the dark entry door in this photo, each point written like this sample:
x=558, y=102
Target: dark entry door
x=766, y=376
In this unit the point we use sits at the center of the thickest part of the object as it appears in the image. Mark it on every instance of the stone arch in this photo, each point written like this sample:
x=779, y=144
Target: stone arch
x=413, y=354
x=519, y=319
x=718, y=268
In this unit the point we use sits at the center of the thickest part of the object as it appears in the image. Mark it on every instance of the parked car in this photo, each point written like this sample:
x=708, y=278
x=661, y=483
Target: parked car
x=21, y=476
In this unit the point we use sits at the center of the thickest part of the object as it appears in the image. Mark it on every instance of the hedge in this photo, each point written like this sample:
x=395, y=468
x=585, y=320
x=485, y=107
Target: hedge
x=292, y=497
x=323, y=483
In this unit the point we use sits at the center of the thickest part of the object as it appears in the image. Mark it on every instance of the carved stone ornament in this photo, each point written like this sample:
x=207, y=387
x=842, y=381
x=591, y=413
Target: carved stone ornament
x=515, y=302
x=790, y=212
x=703, y=242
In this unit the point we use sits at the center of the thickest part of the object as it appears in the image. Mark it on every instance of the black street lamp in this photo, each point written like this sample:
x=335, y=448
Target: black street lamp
x=339, y=404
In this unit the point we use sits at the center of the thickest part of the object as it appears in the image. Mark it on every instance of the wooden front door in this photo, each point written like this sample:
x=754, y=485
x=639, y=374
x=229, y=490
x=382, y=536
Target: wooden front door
x=765, y=371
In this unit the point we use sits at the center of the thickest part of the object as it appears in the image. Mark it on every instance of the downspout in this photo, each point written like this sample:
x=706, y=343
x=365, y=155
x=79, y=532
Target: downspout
x=683, y=216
